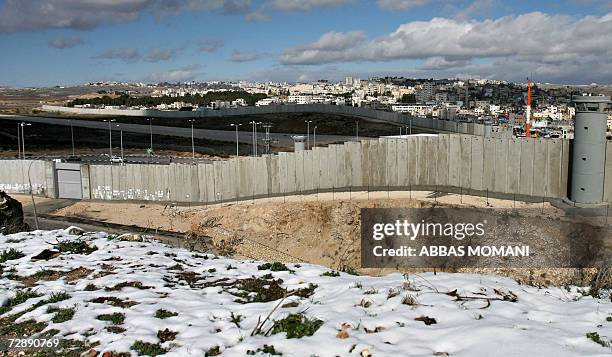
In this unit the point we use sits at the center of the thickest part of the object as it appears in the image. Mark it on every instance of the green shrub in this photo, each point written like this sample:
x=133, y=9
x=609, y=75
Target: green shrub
x=61, y=314
x=331, y=273
x=266, y=349
x=75, y=247
x=276, y=266
x=296, y=326
x=10, y=254
x=594, y=336
x=213, y=351
x=91, y=287
x=147, y=348
x=116, y=318
x=164, y=314
x=57, y=297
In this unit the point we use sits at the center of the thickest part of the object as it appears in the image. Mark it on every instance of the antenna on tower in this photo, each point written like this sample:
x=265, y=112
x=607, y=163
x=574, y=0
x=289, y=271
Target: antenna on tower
x=528, y=110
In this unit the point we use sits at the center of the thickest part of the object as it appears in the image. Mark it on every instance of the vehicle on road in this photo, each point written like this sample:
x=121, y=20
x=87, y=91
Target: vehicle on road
x=73, y=158
x=116, y=159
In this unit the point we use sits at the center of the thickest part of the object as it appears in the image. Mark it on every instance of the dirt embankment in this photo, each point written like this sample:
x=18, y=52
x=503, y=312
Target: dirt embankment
x=323, y=232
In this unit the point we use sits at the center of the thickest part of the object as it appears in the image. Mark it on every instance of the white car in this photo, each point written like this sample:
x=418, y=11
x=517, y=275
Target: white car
x=116, y=159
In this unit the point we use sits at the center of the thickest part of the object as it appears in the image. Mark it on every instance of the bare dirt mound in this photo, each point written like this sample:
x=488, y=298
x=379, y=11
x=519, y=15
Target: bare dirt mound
x=325, y=232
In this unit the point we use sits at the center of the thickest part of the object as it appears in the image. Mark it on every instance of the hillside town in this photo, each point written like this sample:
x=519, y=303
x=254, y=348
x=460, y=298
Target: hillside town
x=476, y=100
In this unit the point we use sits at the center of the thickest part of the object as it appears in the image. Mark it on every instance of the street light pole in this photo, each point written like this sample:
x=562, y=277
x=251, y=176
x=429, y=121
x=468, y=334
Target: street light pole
x=308, y=133
x=110, y=137
x=151, y=133
x=121, y=139
x=18, y=141
x=23, y=124
x=253, y=124
x=236, y=126
x=192, y=143
x=258, y=123
x=357, y=132
x=72, y=136
x=314, y=136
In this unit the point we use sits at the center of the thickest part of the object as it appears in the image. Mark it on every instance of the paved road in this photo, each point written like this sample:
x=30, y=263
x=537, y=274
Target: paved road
x=246, y=137
x=128, y=159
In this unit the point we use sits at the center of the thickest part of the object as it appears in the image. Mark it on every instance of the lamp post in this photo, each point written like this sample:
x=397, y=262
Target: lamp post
x=314, y=136
x=72, y=136
x=236, y=126
x=253, y=128
x=23, y=124
x=110, y=136
x=258, y=123
x=121, y=139
x=192, y=142
x=151, y=133
x=18, y=141
x=308, y=133
x=357, y=130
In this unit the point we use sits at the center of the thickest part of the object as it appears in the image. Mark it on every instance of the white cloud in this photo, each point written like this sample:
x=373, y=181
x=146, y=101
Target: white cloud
x=126, y=54
x=401, y=4
x=176, y=75
x=261, y=13
x=547, y=42
x=439, y=63
x=294, y=5
x=210, y=45
x=238, y=56
x=32, y=15
x=160, y=54
x=65, y=42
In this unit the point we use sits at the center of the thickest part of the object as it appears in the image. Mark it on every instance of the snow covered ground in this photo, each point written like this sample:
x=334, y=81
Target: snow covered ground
x=125, y=294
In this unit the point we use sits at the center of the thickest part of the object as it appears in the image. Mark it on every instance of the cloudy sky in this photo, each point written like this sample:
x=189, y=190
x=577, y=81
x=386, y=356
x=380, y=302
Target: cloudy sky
x=62, y=42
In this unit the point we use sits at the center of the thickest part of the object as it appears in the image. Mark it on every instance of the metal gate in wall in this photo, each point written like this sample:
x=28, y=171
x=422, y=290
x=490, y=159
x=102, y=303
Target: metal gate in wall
x=68, y=180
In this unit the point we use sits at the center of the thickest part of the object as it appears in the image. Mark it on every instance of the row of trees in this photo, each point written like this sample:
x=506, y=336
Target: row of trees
x=196, y=99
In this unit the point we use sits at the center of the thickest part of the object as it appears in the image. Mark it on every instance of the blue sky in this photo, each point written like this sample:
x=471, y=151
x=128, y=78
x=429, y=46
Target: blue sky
x=64, y=42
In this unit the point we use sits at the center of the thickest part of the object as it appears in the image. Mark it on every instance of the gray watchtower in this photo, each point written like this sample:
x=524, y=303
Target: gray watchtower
x=589, y=149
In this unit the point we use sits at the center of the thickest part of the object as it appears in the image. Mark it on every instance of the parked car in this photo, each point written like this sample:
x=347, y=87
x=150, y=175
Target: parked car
x=116, y=159
x=73, y=159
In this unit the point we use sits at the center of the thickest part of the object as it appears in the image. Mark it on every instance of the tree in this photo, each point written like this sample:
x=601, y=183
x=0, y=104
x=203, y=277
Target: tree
x=408, y=98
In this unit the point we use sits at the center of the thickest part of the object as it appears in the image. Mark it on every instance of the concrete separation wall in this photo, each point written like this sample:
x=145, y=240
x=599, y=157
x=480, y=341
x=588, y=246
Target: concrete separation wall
x=373, y=114
x=517, y=167
x=521, y=168
x=14, y=177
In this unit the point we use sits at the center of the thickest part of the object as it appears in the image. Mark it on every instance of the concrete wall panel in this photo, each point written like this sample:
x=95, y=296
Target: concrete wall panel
x=514, y=165
x=454, y=160
x=442, y=161
x=477, y=165
x=540, y=167
x=527, y=167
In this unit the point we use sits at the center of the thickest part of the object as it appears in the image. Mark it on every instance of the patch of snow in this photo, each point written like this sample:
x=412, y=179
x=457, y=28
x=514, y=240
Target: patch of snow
x=542, y=321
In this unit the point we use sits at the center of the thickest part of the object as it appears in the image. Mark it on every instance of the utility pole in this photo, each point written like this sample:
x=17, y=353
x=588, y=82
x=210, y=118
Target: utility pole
x=72, y=136
x=192, y=142
x=236, y=126
x=151, y=133
x=253, y=126
x=110, y=137
x=308, y=133
x=23, y=124
x=18, y=141
x=258, y=123
x=121, y=139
